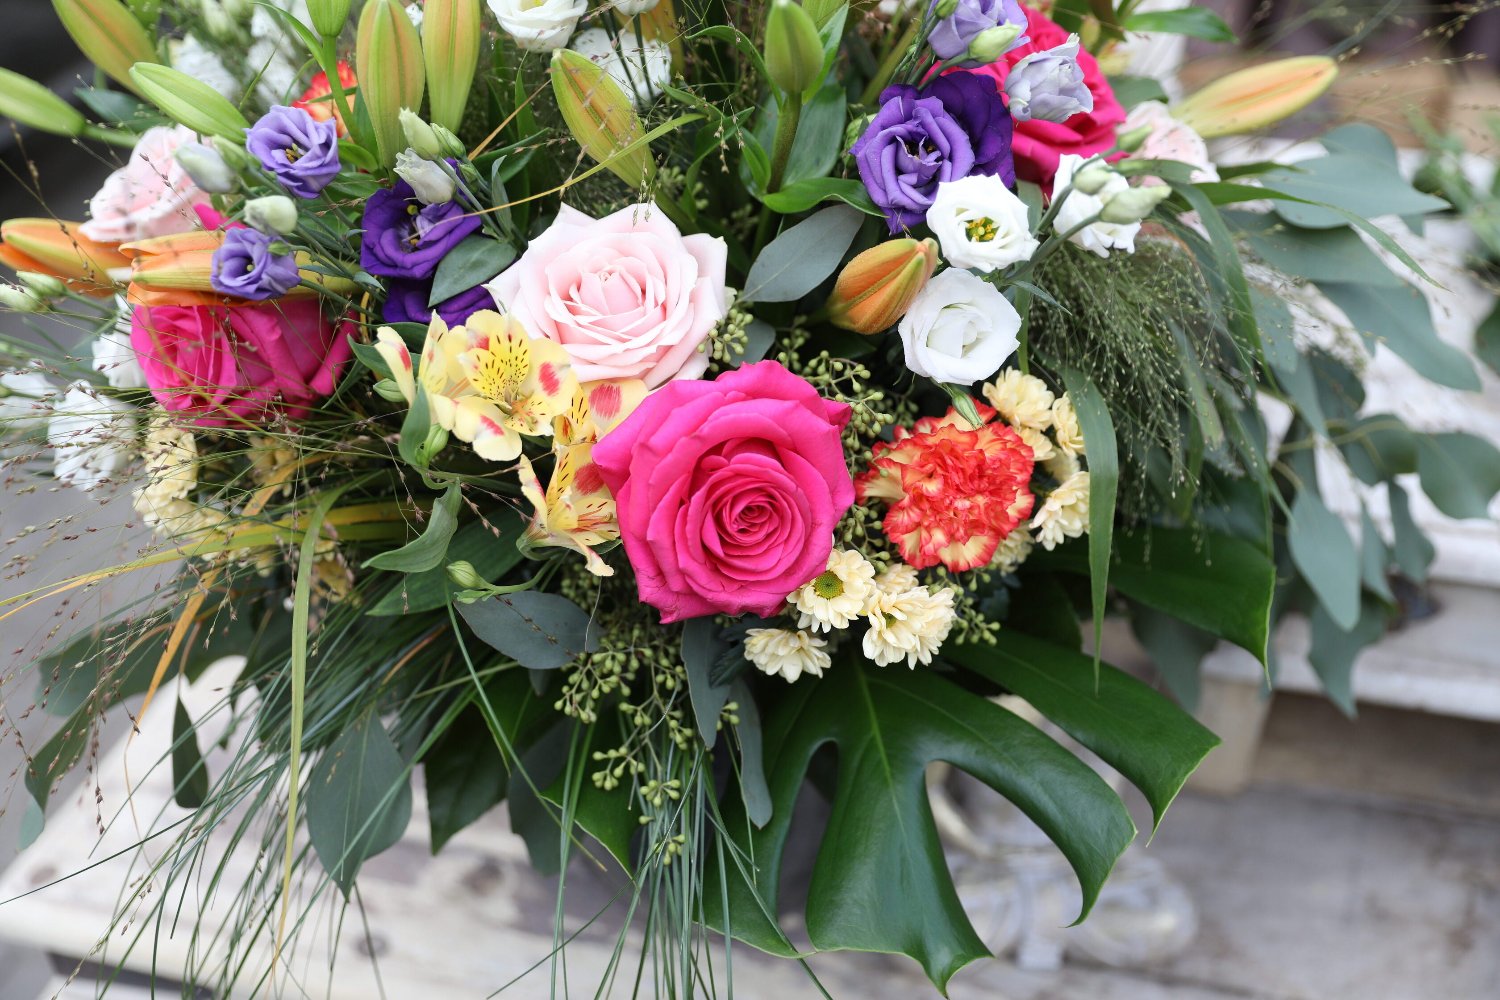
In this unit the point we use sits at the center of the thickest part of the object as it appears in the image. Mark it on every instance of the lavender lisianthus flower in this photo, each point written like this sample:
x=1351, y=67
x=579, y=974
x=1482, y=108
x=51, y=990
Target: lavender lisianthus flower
x=406, y=302
x=406, y=239
x=297, y=149
x=1048, y=86
x=955, y=126
x=247, y=266
x=951, y=35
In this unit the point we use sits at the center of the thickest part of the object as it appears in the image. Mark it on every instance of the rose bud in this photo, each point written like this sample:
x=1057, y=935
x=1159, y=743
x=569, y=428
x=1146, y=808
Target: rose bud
x=1257, y=97
x=875, y=289
x=109, y=35
x=388, y=63
x=25, y=101
x=794, y=51
x=189, y=101
x=450, y=46
x=600, y=116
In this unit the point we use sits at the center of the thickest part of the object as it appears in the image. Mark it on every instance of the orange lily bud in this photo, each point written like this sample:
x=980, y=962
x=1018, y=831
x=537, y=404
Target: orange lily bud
x=48, y=246
x=388, y=62
x=109, y=35
x=1257, y=97
x=177, y=270
x=875, y=289
x=600, y=116
x=450, y=48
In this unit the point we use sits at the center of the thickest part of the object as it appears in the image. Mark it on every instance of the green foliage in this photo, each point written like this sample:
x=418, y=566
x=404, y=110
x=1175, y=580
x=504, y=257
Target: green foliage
x=358, y=800
x=798, y=260
x=539, y=631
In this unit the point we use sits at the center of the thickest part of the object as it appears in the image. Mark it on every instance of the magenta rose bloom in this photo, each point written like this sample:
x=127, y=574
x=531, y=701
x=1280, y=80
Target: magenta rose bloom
x=728, y=491
x=227, y=366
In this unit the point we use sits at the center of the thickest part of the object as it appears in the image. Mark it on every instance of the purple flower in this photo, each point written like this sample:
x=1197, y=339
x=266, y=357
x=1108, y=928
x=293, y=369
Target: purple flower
x=407, y=239
x=951, y=35
x=954, y=127
x=297, y=149
x=406, y=302
x=246, y=266
x=1048, y=85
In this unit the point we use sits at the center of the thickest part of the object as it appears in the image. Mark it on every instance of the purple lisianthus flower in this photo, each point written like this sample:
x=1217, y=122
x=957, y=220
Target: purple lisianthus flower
x=248, y=267
x=1048, y=86
x=954, y=127
x=297, y=149
x=952, y=35
x=406, y=302
x=407, y=239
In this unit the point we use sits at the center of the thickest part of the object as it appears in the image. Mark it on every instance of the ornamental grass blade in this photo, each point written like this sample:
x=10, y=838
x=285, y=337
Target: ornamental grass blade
x=1104, y=481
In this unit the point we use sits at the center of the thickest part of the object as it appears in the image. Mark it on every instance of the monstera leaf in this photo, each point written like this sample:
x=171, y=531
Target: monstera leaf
x=880, y=882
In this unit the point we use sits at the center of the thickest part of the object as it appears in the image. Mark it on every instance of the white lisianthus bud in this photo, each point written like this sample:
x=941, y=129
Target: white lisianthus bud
x=275, y=215
x=1092, y=178
x=539, y=25
x=18, y=299
x=980, y=224
x=945, y=8
x=44, y=285
x=1134, y=203
x=959, y=329
x=207, y=167
x=420, y=136
x=992, y=43
x=630, y=8
x=1083, y=211
x=429, y=181
x=452, y=146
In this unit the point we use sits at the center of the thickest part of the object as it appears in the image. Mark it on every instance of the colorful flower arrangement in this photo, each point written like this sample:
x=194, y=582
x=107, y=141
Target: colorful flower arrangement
x=684, y=389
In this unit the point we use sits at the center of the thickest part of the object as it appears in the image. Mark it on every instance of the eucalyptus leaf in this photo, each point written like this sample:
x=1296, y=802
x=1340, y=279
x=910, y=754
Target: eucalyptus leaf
x=539, y=631
x=1460, y=473
x=753, y=789
x=702, y=645
x=465, y=777
x=358, y=800
x=1487, y=340
x=798, y=260
x=760, y=336
x=426, y=551
x=1351, y=181
x=473, y=262
x=1177, y=650
x=1399, y=317
x=1324, y=554
x=1333, y=649
x=1374, y=558
x=1411, y=548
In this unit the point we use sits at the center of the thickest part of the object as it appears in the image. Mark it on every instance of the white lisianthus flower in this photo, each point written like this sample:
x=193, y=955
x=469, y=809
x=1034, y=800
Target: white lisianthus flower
x=23, y=400
x=640, y=72
x=1022, y=400
x=630, y=8
x=784, y=652
x=836, y=596
x=92, y=437
x=1065, y=514
x=1065, y=426
x=1077, y=208
x=429, y=181
x=959, y=329
x=539, y=25
x=1169, y=139
x=910, y=625
x=980, y=224
x=114, y=358
x=275, y=53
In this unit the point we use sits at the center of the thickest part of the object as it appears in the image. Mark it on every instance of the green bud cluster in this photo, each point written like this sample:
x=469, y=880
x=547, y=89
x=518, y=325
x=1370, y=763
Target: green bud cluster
x=729, y=340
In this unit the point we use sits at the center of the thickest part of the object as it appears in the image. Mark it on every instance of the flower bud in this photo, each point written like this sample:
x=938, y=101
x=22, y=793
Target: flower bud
x=420, y=137
x=388, y=63
x=1134, y=139
x=207, y=167
x=452, y=146
x=1092, y=178
x=875, y=289
x=21, y=300
x=429, y=181
x=945, y=8
x=1134, y=204
x=240, y=10
x=630, y=8
x=44, y=285
x=466, y=576
x=992, y=43
x=48, y=246
x=600, y=116
x=328, y=16
x=25, y=101
x=275, y=214
x=1257, y=97
x=450, y=47
x=189, y=101
x=794, y=51
x=110, y=36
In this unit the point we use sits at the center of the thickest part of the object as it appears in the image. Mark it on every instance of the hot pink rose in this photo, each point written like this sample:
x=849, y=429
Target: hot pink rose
x=628, y=296
x=728, y=491
x=1039, y=145
x=229, y=366
x=150, y=196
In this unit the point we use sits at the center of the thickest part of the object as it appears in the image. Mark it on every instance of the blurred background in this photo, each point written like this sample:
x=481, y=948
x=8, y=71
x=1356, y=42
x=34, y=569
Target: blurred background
x=1321, y=854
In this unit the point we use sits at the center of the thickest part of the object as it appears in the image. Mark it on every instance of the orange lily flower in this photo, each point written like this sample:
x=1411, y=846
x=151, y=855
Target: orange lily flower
x=177, y=270
x=50, y=246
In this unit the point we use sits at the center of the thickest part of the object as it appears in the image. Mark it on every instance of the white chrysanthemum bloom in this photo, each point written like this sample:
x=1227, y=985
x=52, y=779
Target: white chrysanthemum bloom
x=539, y=25
x=786, y=652
x=1065, y=426
x=92, y=437
x=1065, y=514
x=114, y=358
x=1022, y=400
x=1013, y=550
x=980, y=224
x=897, y=578
x=1062, y=465
x=640, y=71
x=1077, y=208
x=23, y=400
x=838, y=595
x=1040, y=444
x=909, y=626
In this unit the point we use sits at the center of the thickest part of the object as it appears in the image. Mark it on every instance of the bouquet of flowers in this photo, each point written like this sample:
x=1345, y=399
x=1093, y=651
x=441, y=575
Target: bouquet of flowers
x=641, y=410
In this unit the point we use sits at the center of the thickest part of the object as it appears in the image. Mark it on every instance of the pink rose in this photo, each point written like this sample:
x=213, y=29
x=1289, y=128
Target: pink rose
x=150, y=196
x=728, y=491
x=1169, y=139
x=627, y=296
x=232, y=365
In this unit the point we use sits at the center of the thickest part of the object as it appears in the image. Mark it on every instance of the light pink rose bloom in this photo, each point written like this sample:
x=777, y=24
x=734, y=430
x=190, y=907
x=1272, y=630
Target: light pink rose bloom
x=627, y=296
x=1169, y=139
x=150, y=196
x=728, y=491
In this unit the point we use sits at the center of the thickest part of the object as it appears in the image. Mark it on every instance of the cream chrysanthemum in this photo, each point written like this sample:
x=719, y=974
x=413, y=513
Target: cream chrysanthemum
x=838, y=595
x=1062, y=466
x=786, y=652
x=909, y=626
x=170, y=455
x=1065, y=514
x=1022, y=400
x=1065, y=426
x=1040, y=444
x=1013, y=551
x=897, y=578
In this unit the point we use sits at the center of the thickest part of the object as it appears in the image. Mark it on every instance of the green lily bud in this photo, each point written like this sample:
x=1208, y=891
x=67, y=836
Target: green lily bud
x=18, y=299
x=1092, y=178
x=43, y=285
x=1134, y=139
x=991, y=43
x=275, y=214
x=466, y=576
x=450, y=47
x=109, y=35
x=600, y=116
x=420, y=135
x=1134, y=204
x=388, y=63
x=28, y=102
x=189, y=101
x=328, y=16
x=794, y=51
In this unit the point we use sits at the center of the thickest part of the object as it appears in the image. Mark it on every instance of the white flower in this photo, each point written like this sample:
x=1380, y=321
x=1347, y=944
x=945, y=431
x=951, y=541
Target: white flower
x=909, y=626
x=980, y=224
x=92, y=437
x=1077, y=208
x=640, y=72
x=959, y=329
x=201, y=63
x=170, y=455
x=1012, y=551
x=1022, y=400
x=836, y=596
x=23, y=400
x=276, y=53
x=1040, y=444
x=630, y=8
x=1065, y=514
x=785, y=652
x=539, y=25
x=428, y=180
x=1169, y=139
x=898, y=577
x=1065, y=426
x=1061, y=465
x=114, y=358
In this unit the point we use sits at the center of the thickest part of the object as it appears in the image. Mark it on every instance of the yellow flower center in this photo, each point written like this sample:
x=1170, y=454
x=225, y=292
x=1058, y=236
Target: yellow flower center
x=499, y=375
x=293, y=154
x=982, y=230
x=828, y=586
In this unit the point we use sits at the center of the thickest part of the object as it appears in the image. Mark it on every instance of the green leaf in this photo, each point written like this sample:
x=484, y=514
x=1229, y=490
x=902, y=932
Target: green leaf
x=1198, y=22
x=189, y=773
x=54, y=758
x=798, y=260
x=491, y=553
x=1487, y=340
x=1324, y=554
x=1411, y=548
x=820, y=134
x=1104, y=480
x=412, y=444
x=1399, y=317
x=427, y=550
x=530, y=818
x=465, y=777
x=1460, y=473
x=1319, y=255
x=1353, y=182
x=358, y=800
x=880, y=881
x=1333, y=649
x=1176, y=648
x=1227, y=265
x=1133, y=90
x=1378, y=447
x=753, y=789
x=702, y=645
x=539, y=631
x=473, y=262
x=1374, y=557
x=801, y=196
x=610, y=817
x=1041, y=607
x=759, y=338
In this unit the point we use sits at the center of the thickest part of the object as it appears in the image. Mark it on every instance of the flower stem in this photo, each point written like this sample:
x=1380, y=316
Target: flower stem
x=892, y=60
x=786, y=133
